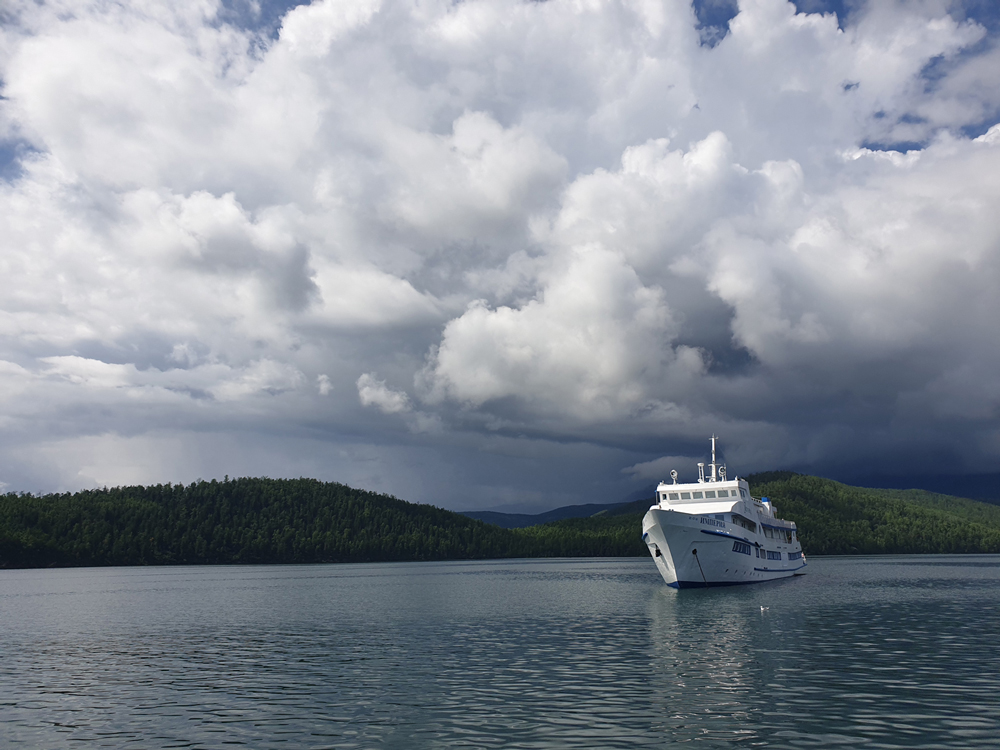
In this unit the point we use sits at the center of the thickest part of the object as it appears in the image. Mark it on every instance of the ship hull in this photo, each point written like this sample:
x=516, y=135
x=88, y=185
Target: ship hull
x=698, y=551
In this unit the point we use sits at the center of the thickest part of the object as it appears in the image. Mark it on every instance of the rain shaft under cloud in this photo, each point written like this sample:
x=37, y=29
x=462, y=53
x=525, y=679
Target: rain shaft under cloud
x=496, y=252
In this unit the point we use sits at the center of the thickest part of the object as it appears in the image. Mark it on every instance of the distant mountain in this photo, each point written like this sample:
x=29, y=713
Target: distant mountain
x=523, y=520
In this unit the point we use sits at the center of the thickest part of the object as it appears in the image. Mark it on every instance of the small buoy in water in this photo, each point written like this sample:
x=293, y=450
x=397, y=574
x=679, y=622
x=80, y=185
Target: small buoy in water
x=763, y=608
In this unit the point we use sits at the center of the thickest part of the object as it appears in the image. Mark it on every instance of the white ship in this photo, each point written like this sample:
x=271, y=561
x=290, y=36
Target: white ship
x=713, y=533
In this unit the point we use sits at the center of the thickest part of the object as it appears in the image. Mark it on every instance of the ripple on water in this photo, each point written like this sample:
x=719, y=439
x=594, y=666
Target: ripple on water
x=889, y=653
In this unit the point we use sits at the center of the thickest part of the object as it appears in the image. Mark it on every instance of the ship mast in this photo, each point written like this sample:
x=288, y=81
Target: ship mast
x=714, y=475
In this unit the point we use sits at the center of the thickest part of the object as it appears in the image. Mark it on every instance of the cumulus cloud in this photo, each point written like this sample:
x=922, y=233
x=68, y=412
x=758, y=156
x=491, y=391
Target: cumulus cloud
x=313, y=28
x=373, y=392
x=602, y=231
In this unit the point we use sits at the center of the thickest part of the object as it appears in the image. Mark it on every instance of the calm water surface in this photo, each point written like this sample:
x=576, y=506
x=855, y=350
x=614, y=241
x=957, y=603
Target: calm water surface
x=862, y=652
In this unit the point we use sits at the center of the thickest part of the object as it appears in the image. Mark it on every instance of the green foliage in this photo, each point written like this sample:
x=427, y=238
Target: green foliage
x=836, y=519
x=238, y=521
x=600, y=535
x=307, y=521
x=263, y=521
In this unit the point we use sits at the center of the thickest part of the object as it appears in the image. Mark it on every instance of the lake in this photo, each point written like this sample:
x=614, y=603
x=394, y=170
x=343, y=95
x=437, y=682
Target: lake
x=887, y=652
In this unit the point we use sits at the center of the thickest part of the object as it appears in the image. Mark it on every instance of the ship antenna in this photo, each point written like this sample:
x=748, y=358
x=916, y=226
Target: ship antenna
x=715, y=475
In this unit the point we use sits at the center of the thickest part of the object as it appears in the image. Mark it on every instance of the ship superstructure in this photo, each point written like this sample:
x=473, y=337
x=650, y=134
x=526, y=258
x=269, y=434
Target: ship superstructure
x=713, y=532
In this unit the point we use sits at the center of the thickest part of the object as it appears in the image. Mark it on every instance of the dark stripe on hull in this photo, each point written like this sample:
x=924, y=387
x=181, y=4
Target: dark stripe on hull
x=722, y=533
x=784, y=570
x=714, y=584
x=710, y=584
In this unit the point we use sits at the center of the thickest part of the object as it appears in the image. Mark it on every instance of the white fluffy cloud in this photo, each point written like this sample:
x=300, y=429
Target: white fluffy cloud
x=374, y=392
x=545, y=224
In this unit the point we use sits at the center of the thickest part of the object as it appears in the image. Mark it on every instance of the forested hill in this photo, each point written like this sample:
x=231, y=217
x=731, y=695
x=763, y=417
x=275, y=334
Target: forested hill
x=307, y=521
x=837, y=519
x=238, y=521
x=267, y=521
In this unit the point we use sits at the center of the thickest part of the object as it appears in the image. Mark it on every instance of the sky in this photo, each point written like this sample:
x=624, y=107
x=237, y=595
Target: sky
x=496, y=254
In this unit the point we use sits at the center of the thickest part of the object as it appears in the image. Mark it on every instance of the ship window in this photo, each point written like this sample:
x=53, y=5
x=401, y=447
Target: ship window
x=743, y=492
x=697, y=496
x=773, y=555
x=720, y=517
x=745, y=523
x=741, y=547
x=794, y=555
x=723, y=493
x=674, y=496
x=710, y=493
x=685, y=496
